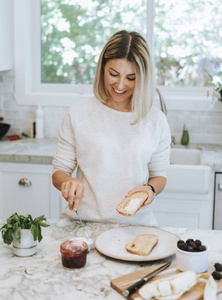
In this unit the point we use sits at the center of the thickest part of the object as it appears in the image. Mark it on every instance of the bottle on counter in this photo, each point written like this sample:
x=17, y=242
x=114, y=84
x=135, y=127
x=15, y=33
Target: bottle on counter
x=39, y=123
x=185, y=136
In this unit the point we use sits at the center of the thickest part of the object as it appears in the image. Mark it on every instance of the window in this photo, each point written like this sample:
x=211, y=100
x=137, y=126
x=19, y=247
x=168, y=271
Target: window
x=75, y=31
x=188, y=40
x=61, y=67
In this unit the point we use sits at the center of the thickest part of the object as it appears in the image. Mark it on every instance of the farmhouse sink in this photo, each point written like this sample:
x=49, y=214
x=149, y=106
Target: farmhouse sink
x=185, y=156
x=186, y=173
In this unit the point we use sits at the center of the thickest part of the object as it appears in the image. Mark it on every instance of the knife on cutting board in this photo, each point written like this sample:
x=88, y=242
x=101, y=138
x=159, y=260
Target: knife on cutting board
x=134, y=287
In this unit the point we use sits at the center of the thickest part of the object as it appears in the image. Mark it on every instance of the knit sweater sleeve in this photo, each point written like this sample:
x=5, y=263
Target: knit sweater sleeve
x=65, y=156
x=160, y=159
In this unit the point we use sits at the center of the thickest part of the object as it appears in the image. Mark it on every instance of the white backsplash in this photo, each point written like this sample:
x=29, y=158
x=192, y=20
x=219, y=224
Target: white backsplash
x=203, y=127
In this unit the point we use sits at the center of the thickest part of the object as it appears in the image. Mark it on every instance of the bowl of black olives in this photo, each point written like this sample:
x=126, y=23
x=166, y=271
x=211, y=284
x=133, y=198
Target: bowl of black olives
x=191, y=255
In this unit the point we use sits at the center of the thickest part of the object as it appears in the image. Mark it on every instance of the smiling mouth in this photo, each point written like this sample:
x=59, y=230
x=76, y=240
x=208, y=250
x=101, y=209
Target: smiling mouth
x=119, y=92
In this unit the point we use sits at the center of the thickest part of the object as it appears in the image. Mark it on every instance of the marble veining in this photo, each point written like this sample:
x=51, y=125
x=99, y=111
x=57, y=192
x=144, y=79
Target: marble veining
x=42, y=276
x=28, y=150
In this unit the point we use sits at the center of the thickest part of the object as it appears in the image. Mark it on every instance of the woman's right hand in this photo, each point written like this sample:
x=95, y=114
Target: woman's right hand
x=73, y=191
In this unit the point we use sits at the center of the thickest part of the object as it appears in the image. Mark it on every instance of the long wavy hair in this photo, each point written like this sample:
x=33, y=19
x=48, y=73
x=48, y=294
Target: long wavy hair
x=133, y=47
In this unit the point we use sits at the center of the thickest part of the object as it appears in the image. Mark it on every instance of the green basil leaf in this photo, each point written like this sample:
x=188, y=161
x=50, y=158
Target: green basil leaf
x=8, y=237
x=17, y=234
x=43, y=224
x=40, y=234
x=34, y=231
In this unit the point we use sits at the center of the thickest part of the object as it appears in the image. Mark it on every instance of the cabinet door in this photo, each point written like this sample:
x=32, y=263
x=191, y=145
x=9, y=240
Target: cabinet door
x=5, y=34
x=27, y=189
x=25, y=199
x=184, y=210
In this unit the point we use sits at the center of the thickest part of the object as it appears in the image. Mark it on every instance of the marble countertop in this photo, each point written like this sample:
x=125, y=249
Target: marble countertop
x=42, y=276
x=41, y=151
x=37, y=151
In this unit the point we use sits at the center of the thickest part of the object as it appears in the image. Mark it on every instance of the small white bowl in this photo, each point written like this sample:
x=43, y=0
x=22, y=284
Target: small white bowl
x=89, y=241
x=192, y=261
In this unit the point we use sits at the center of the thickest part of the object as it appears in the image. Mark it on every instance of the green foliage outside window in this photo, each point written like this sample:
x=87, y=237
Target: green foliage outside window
x=188, y=40
x=74, y=33
x=187, y=37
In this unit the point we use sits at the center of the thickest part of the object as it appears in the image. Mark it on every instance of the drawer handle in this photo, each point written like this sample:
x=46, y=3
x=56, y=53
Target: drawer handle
x=25, y=182
x=220, y=187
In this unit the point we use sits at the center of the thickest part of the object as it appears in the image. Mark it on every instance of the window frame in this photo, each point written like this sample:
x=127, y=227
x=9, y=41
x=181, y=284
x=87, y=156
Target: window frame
x=29, y=90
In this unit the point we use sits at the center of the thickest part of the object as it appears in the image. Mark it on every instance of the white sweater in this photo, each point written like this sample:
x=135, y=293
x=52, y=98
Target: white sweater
x=112, y=157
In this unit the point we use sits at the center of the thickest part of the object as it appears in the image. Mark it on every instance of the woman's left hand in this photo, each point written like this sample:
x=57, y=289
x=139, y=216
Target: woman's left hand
x=146, y=189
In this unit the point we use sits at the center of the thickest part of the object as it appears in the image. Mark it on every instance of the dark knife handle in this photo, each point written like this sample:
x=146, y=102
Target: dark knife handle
x=133, y=288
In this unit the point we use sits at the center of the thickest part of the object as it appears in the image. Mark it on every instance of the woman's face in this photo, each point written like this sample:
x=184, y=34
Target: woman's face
x=119, y=78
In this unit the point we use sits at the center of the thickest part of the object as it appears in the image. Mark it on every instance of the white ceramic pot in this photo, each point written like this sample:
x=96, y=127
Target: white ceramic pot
x=27, y=247
x=192, y=261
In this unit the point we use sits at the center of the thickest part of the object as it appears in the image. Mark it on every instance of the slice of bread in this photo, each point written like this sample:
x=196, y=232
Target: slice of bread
x=131, y=204
x=142, y=244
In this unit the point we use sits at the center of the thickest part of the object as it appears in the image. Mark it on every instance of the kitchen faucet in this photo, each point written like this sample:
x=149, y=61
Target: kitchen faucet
x=162, y=102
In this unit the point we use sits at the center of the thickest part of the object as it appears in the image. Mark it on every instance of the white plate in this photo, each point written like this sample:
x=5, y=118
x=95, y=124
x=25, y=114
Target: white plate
x=112, y=243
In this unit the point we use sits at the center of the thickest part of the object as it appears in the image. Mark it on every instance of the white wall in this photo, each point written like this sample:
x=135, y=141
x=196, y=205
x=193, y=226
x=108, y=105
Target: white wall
x=21, y=116
x=204, y=127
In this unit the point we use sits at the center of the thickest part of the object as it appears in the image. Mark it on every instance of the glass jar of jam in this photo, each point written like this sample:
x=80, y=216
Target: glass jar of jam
x=74, y=253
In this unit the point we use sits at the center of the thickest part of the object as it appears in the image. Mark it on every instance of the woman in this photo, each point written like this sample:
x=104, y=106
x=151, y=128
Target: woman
x=118, y=140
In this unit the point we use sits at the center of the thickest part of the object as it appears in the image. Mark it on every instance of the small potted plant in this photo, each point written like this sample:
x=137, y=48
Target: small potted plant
x=23, y=232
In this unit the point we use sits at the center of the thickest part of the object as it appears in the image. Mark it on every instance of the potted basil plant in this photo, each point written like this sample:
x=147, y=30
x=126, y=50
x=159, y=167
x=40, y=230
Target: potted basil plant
x=23, y=232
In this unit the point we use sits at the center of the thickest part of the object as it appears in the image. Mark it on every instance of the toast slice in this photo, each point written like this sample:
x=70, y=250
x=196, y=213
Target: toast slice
x=131, y=204
x=142, y=244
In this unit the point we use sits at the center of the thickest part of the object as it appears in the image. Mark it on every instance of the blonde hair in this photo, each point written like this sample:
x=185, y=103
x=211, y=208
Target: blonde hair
x=133, y=47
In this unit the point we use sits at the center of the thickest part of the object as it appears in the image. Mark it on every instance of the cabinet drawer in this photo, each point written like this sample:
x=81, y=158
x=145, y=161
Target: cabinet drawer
x=31, y=199
x=28, y=189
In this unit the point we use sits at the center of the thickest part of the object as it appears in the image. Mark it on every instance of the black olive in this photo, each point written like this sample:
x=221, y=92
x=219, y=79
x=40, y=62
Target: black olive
x=191, y=244
x=189, y=240
x=190, y=249
x=194, y=247
x=179, y=242
x=198, y=243
x=183, y=246
x=201, y=248
x=216, y=275
x=218, y=267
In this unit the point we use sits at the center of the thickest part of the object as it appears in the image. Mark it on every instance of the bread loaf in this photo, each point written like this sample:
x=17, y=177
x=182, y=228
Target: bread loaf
x=142, y=244
x=131, y=204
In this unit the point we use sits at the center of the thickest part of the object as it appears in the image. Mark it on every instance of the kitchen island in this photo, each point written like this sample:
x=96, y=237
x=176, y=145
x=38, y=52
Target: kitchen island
x=42, y=276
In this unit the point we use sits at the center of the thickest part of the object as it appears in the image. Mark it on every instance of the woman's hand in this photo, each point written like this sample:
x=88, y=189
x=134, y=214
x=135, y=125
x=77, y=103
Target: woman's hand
x=146, y=189
x=157, y=182
x=73, y=191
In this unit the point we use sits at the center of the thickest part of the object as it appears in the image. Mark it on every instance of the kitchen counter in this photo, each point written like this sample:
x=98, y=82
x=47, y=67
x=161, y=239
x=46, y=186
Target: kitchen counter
x=42, y=151
x=42, y=276
x=32, y=151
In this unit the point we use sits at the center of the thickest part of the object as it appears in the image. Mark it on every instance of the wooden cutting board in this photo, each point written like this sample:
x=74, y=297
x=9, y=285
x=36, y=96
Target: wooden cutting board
x=123, y=282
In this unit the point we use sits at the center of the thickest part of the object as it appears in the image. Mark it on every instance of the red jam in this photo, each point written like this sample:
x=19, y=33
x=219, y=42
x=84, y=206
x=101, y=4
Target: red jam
x=74, y=253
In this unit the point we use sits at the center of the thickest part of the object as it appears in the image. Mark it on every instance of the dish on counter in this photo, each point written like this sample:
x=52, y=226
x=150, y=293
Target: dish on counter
x=112, y=243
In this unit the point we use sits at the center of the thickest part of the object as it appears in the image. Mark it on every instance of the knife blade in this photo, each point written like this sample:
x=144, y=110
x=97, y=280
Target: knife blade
x=82, y=225
x=134, y=287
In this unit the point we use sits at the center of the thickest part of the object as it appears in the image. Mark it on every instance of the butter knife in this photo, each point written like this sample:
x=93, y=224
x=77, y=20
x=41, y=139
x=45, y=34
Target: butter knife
x=82, y=225
x=133, y=288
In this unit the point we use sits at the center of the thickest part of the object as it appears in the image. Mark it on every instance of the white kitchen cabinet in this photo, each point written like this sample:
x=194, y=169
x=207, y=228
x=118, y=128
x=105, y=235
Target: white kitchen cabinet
x=28, y=189
x=188, y=210
x=6, y=21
